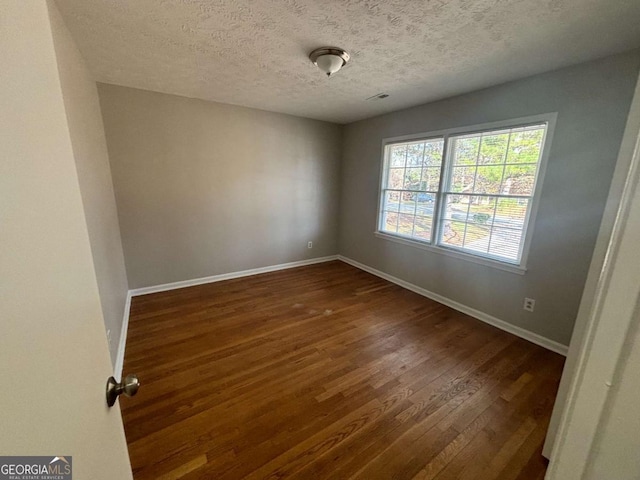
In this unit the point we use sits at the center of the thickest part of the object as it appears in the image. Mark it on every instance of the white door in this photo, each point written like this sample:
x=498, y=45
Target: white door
x=54, y=360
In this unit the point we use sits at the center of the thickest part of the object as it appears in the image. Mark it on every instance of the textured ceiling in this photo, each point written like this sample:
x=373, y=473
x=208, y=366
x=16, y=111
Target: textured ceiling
x=254, y=53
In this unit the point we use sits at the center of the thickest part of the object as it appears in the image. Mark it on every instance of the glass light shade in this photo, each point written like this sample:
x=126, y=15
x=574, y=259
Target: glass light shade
x=329, y=64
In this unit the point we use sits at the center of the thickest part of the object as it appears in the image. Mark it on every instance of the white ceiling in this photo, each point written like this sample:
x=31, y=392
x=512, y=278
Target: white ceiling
x=255, y=52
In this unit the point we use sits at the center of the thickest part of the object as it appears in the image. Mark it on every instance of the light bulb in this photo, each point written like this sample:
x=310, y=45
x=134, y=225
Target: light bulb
x=329, y=64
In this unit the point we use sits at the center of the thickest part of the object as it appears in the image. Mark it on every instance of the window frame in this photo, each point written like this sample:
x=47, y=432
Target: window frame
x=445, y=172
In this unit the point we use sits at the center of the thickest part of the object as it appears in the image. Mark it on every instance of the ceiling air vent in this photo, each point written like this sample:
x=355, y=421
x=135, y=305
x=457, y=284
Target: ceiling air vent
x=378, y=96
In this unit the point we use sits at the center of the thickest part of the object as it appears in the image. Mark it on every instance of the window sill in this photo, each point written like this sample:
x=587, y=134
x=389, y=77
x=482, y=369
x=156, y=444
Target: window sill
x=517, y=269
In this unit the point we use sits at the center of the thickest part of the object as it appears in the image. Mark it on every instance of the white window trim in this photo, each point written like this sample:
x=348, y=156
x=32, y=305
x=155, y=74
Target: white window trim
x=548, y=118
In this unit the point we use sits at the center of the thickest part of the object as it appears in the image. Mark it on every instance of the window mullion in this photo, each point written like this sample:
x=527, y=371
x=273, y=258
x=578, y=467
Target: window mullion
x=495, y=206
x=415, y=205
x=506, y=157
x=466, y=222
x=439, y=205
x=493, y=219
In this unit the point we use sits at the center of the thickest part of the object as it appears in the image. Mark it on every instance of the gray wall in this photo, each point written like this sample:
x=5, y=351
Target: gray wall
x=206, y=188
x=592, y=101
x=92, y=165
x=580, y=329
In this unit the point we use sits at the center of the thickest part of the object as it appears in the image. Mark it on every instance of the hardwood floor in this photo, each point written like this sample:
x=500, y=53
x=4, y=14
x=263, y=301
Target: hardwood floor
x=327, y=372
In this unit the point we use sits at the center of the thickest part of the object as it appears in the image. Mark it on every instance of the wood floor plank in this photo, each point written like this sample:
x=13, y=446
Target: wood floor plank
x=346, y=463
x=182, y=470
x=328, y=372
x=475, y=459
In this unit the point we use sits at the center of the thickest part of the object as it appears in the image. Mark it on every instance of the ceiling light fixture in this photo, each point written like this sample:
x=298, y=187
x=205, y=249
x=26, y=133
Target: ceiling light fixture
x=329, y=59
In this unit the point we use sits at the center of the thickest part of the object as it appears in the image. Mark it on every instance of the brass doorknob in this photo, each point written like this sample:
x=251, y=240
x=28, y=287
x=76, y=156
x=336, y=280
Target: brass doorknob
x=129, y=386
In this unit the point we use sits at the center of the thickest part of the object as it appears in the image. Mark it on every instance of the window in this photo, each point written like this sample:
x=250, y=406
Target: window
x=470, y=191
x=411, y=188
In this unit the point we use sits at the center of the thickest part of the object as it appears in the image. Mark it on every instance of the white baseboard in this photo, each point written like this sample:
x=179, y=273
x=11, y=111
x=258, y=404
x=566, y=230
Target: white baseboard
x=228, y=276
x=496, y=322
x=117, y=370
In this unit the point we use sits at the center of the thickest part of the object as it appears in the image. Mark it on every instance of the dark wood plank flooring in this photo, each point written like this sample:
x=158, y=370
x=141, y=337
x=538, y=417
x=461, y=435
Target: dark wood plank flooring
x=328, y=372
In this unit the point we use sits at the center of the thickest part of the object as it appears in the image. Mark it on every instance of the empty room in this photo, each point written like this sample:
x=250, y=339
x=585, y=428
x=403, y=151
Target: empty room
x=262, y=239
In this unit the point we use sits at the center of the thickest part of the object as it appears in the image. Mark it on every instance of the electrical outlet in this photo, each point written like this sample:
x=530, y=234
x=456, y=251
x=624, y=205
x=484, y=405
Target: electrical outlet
x=529, y=304
x=309, y=244
x=109, y=336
